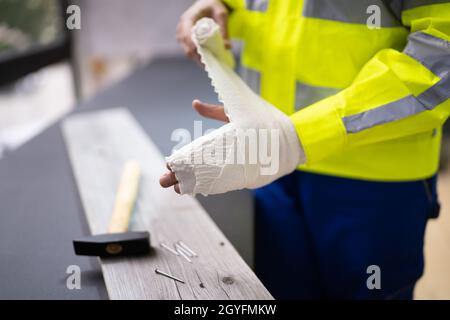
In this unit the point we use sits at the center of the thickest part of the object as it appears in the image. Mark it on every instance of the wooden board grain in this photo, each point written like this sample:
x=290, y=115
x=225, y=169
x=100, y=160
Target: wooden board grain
x=99, y=143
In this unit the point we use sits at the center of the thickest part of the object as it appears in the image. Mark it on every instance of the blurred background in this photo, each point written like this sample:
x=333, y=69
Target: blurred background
x=45, y=69
x=42, y=61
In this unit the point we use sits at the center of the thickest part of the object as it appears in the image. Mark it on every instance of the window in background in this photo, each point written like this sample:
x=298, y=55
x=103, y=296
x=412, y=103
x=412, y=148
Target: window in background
x=36, y=83
x=26, y=23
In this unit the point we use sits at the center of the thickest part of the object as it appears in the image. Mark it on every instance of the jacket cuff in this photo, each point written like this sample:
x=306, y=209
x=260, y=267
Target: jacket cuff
x=320, y=129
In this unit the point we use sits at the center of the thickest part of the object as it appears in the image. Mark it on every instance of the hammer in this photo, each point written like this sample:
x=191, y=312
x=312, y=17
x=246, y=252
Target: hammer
x=118, y=241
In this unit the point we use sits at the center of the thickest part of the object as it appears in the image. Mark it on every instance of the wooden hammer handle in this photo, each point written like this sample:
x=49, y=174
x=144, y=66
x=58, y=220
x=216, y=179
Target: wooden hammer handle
x=125, y=197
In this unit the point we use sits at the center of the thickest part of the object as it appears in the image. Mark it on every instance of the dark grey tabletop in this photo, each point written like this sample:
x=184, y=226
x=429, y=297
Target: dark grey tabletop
x=40, y=210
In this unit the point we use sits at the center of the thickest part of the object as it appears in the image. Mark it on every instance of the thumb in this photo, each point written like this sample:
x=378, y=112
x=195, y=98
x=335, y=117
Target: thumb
x=210, y=110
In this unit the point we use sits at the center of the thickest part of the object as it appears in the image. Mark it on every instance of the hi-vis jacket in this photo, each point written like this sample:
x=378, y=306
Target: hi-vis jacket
x=366, y=82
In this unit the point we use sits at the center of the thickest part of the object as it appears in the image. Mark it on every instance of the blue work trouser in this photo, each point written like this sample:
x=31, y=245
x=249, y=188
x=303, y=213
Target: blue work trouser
x=319, y=236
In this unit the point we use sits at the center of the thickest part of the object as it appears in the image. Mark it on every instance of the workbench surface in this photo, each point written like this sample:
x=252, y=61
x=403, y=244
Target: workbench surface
x=40, y=208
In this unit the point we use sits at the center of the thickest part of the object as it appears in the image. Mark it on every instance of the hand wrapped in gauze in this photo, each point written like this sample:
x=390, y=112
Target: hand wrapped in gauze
x=256, y=147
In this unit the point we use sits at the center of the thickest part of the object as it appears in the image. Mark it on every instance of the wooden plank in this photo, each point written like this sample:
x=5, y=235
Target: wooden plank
x=99, y=143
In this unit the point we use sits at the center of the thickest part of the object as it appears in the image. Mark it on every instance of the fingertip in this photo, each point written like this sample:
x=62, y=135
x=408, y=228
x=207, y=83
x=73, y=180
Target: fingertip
x=198, y=106
x=168, y=179
x=162, y=181
x=177, y=188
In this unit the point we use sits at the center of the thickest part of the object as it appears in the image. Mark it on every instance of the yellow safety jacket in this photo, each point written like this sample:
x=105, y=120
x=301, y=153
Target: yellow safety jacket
x=366, y=82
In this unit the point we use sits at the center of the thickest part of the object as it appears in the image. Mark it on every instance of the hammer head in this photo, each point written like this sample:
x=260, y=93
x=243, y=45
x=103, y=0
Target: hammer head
x=113, y=244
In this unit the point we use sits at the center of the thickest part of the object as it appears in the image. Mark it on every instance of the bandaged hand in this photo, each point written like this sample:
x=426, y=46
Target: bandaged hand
x=256, y=147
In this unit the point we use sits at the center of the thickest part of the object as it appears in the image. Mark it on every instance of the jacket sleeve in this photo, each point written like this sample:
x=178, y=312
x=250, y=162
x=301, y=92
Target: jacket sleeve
x=234, y=4
x=395, y=94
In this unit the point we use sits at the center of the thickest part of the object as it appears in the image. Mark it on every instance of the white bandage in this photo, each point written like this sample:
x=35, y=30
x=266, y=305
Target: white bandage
x=259, y=145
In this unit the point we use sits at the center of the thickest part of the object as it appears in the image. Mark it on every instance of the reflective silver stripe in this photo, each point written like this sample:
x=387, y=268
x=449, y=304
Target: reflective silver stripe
x=306, y=95
x=397, y=110
x=400, y=109
x=437, y=94
x=351, y=11
x=237, y=46
x=410, y=4
x=251, y=77
x=257, y=5
x=433, y=53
